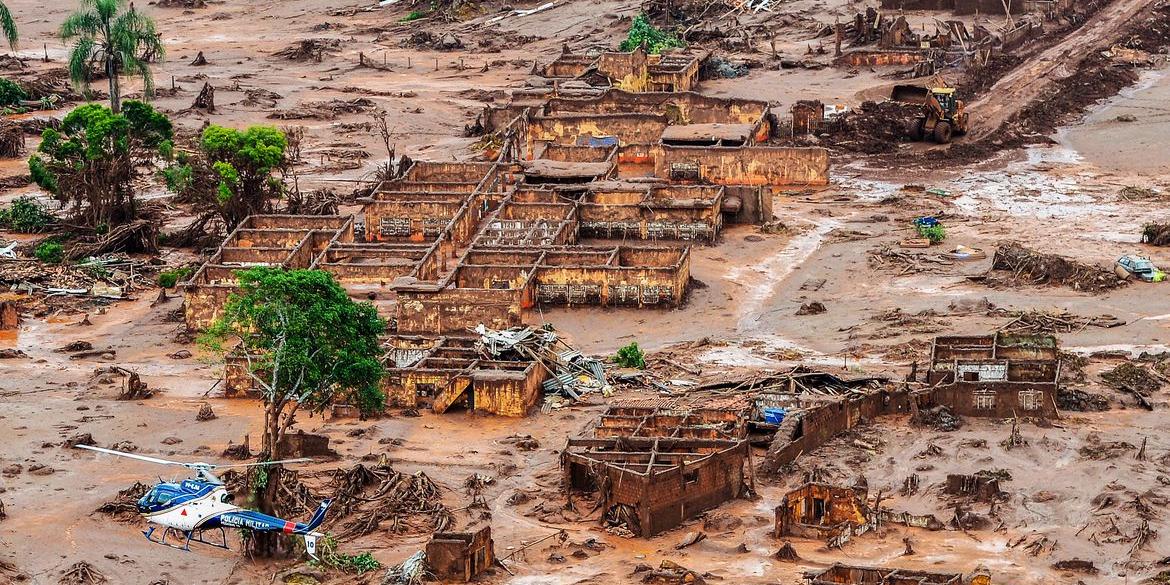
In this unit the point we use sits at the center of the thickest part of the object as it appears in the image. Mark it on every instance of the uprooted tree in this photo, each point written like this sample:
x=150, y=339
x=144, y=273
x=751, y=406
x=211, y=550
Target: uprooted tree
x=231, y=175
x=307, y=346
x=90, y=163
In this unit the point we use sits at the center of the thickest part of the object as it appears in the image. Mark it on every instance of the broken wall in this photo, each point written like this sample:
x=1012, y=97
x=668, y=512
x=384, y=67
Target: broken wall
x=748, y=165
x=460, y=556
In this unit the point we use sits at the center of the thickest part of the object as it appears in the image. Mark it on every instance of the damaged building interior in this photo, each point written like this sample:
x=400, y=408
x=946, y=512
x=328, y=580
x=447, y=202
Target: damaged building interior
x=668, y=292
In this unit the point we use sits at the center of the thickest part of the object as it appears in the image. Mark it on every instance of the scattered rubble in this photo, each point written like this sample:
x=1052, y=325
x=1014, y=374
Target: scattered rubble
x=1031, y=267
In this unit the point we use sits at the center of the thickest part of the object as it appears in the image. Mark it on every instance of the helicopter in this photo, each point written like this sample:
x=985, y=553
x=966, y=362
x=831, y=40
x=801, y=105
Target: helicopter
x=187, y=509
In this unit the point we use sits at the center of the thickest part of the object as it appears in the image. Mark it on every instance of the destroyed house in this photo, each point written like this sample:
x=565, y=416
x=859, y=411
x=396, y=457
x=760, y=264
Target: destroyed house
x=681, y=137
x=999, y=375
x=634, y=71
x=837, y=513
x=286, y=241
x=650, y=485
x=441, y=373
x=667, y=419
x=459, y=557
x=818, y=510
x=840, y=574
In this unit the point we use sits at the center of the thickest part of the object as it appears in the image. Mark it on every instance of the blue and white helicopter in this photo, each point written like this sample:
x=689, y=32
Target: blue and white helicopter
x=188, y=508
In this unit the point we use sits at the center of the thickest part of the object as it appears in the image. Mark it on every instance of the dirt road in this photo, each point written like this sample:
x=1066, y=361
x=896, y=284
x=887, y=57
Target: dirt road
x=1029, y=81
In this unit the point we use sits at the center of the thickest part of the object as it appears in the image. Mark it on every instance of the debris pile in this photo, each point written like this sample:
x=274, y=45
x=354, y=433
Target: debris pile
x=571, y=373
x=82, y=573
x=939, y=418
x=1137, y=381
x=670, y=572
x=874, y=128
x=412, y=571
x=122, y=508
x=371, y=496
x=1035, y=321
x=1032, y=267
x=309, y=49
x=325, y=110
x=11, y=139
x=903, y=263
x=1156, y=234
x=1080, y=401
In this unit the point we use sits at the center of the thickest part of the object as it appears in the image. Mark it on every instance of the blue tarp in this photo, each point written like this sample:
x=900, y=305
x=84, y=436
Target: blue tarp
x=774, y=416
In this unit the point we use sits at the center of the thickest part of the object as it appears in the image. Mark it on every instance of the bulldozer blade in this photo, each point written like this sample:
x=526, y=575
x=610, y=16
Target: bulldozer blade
x=911, y=94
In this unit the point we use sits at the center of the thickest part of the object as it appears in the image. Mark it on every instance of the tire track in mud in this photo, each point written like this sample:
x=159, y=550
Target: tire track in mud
x=1026, y=83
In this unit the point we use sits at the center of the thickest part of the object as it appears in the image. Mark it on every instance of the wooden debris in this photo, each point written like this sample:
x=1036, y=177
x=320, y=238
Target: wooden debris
x=1034, y=321
x=1032, y=267
x=11, y=139
x=82, y=573
x=206, y=99
x=137, y=236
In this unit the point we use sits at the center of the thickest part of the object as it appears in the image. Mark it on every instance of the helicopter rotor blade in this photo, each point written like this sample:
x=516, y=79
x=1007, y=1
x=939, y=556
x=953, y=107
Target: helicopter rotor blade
x=133, y=456
x=258, y=463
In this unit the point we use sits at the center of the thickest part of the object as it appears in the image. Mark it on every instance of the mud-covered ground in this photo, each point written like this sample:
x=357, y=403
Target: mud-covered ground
x=1068, y=198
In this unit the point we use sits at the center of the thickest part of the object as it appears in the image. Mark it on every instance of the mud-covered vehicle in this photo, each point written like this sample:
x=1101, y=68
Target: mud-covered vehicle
x=1138, y=267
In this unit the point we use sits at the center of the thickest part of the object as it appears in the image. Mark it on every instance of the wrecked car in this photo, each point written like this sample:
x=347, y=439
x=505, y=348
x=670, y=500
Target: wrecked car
x=1138, y=267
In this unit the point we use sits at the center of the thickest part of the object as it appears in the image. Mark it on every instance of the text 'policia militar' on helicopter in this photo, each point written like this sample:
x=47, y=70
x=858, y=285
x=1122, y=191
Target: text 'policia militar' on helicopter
x=190, y=507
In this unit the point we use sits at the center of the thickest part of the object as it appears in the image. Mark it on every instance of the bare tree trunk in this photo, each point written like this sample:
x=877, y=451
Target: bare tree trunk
x=115, y=95
x=268, y=544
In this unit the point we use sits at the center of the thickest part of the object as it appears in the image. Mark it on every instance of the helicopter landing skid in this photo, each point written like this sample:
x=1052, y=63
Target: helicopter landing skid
x=187, y=537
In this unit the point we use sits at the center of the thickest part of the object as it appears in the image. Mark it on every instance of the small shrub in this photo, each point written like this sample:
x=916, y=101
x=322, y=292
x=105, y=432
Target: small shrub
x=414, y=15
x=169, y=278
x=631, y=356
x=24, y=215
x=656, y=40
x=934, y=233
x=328, y=556
x=10, y=93
x=931, y=229
x=50, y=252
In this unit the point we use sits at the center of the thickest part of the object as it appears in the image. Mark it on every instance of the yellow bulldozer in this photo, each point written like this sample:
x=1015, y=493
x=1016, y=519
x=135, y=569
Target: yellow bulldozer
x=942, y=117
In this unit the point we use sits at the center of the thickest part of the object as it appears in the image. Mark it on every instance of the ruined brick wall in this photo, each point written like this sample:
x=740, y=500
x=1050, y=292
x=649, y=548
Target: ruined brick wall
x=413, y=221
x=644, y=220
x=460, y=556
x=748, y=165
x=997, y=399
x=608, y=286
x=455, y=310
x=203, y=303
x=680, y=108
x=571, y=128
x=507, y=393
x=817, y=425
x=626, y=71
x=679, y=494
x=838, y=504
x=882, y=58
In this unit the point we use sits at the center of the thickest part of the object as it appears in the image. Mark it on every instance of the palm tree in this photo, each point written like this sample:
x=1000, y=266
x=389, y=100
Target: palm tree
x=119, y=40
x=7, y=26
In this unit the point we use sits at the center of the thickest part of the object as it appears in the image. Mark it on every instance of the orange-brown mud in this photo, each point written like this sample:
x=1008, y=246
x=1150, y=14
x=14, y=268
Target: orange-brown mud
x=1060, y=199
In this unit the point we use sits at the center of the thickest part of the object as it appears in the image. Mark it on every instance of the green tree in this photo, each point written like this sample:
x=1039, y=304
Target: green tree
x=644, y=34
x=90, y=161
x=308, y=346
x=232, y=174
x=118, y=39
x=8, y=26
